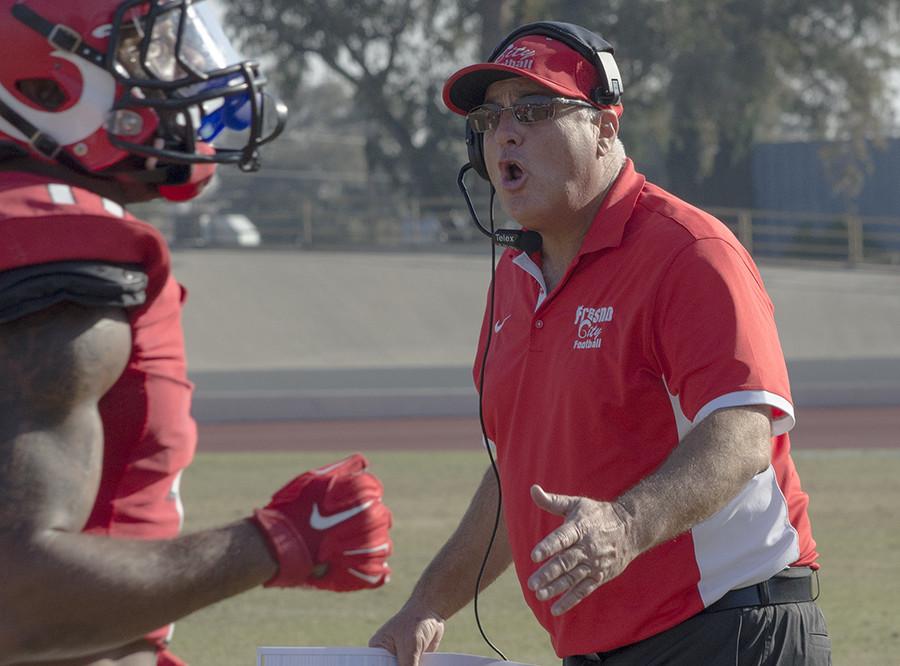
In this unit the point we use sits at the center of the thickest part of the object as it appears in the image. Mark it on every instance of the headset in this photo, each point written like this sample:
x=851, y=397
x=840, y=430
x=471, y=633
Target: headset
x=599, y=53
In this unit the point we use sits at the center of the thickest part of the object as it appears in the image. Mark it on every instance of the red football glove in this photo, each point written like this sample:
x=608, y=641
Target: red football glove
x=329, y=529
x=166, y=658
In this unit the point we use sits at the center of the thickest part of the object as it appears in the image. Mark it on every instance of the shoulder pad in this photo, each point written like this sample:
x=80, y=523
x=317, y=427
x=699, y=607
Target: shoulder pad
x=24, y=291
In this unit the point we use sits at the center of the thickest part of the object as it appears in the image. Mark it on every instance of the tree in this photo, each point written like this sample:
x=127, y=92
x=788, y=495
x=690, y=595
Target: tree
x=704, y=79
x=709, y=78
x=393, y=54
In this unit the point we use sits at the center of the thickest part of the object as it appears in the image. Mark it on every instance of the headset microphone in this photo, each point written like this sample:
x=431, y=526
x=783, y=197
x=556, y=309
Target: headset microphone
x=529, y=241
x=518, y=239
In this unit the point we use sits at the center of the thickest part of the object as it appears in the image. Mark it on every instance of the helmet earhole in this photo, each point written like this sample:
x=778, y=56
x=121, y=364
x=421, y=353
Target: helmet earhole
x=46, y=93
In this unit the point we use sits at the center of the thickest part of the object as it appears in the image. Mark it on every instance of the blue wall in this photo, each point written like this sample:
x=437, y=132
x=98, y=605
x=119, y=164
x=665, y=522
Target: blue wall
x=791, y=177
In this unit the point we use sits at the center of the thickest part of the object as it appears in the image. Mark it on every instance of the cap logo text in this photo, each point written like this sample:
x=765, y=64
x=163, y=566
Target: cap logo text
x=520, y=57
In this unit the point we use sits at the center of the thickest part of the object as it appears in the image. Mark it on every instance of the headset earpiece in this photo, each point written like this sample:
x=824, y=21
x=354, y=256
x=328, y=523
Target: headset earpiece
x=475, y=147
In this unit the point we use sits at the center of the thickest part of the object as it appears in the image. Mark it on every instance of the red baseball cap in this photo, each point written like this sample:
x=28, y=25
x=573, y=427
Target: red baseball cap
x=539, y=58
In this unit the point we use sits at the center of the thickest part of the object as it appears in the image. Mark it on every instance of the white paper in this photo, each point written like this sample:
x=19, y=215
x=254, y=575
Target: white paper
x=351, y=656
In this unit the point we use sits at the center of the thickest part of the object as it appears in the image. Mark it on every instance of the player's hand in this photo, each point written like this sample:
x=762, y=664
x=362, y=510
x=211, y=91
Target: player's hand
x=328, y=528
x=592, y=546
x=411, y=632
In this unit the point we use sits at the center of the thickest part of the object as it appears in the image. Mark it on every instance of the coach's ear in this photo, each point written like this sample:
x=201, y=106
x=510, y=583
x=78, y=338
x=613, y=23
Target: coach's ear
x=608, y=131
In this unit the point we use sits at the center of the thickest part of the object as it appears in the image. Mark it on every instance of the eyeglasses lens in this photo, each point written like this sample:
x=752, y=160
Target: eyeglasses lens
x=486, y=117
x=532, y=112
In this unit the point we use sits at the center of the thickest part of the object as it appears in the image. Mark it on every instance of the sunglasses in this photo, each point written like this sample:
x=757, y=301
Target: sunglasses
x=486, y=118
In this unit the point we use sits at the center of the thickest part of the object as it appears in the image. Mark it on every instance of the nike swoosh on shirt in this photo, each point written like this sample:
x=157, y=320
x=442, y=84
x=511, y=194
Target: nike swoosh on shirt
x=319, y=522
x=499, y=324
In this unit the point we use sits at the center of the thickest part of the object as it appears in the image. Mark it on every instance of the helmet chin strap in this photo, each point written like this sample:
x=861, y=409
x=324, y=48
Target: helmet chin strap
x=59, y=35
x=42, y=143
x=191, y=178
x=199, y=175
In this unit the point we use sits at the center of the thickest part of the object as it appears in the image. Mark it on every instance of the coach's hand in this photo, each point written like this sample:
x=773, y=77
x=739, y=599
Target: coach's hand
x=328, y=528
x=592, y=546
x=409, y=633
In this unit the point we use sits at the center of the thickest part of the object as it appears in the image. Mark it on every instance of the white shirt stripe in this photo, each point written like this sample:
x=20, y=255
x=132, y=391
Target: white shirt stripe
x=748, y=541
x=751, y=538
x=61, y=194
x=524, y=262
x=113, y=208
x=780, y=425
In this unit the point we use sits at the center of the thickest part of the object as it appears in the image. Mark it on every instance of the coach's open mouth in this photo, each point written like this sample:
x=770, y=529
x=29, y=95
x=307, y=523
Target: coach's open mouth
x=512, y=174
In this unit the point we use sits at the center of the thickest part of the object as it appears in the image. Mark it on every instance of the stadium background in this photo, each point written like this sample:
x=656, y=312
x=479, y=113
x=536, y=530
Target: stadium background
x=347, y=319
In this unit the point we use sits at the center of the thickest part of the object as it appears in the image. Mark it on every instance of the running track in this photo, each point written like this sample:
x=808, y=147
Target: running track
x=817, y=428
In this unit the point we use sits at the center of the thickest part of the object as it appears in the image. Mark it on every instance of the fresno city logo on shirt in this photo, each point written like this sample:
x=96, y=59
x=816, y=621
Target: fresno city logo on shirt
x=520, y=57
x=588, y=328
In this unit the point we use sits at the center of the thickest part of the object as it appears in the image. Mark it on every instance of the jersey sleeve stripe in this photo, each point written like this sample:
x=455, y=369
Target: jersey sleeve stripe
x=60, y=194
x=783, y=417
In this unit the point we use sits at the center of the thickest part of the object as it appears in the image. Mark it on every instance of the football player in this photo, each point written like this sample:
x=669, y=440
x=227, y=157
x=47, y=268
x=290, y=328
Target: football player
x=104, y=103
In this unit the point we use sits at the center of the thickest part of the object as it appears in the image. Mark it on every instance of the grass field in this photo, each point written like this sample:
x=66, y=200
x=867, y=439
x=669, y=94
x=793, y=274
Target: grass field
x=854, y=507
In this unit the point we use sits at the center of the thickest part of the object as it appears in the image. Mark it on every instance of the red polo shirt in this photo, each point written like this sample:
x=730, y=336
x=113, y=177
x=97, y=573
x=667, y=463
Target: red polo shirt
x=661, y=319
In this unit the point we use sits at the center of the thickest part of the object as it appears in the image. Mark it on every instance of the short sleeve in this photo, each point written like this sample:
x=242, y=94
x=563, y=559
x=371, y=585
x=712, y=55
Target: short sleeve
x=715, y=338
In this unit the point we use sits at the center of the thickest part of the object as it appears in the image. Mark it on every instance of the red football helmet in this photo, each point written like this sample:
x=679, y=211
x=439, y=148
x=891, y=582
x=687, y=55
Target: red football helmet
x=132, y=90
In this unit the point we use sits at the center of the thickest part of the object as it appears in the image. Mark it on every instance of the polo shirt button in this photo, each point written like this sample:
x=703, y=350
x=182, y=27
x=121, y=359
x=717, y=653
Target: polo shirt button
x=539, y=323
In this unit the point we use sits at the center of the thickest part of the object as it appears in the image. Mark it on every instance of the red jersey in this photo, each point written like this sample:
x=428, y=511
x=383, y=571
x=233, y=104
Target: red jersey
x=661, y=319
x=149, y=435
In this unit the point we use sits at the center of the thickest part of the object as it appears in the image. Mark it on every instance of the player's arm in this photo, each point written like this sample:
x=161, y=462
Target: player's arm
x=597, y=540
x=448, y=582
x=66, y=594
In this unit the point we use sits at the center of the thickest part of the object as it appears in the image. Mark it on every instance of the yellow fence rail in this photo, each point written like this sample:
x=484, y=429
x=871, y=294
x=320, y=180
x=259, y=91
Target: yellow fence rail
x=393, y=222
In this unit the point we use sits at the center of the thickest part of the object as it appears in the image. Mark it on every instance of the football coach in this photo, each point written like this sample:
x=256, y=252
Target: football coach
x=634, y=390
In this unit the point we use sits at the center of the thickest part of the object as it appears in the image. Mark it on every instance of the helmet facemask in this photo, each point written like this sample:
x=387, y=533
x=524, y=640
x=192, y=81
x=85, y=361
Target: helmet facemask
x=155, y=83
x=172, y=57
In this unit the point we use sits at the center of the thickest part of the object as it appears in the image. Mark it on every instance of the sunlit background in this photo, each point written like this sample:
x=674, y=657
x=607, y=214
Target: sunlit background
x=341, y=288
x=781, y=118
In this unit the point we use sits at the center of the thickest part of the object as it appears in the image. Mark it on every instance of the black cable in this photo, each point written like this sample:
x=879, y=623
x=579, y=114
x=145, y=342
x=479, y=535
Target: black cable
x=484, y=357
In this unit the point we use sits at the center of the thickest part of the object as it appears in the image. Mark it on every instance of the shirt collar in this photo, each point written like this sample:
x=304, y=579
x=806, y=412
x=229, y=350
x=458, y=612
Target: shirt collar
x=609, y=223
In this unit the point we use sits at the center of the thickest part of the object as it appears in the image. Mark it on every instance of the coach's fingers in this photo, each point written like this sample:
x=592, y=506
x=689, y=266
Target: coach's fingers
x=563, y=583
x=555, y=567
x=386, y=642
x=558, y=504
x=427, y=639
x=436, y=638
x=563, y=537
x=408, y=634
x=405, y=650
x=575, y=596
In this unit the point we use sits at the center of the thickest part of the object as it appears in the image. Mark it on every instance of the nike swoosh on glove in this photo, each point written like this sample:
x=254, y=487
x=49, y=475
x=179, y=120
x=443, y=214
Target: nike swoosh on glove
x=330, y=521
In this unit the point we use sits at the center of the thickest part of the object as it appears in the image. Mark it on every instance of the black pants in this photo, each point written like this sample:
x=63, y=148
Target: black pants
x=790, y=634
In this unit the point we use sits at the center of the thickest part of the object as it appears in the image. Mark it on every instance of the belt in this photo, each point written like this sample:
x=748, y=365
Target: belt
x=791, y=586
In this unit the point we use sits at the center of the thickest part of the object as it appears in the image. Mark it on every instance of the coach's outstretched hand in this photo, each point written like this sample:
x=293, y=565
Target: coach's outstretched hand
x=592, y=546
x=328, y=528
